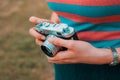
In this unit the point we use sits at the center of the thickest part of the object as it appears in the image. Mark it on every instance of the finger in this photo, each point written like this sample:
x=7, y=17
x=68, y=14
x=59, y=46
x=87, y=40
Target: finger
x=38, y=42
x=37, y=20
x=61, y=58
x=55, y=61
x=35, y=34
x=58, y=62
x=69, y=61
x=54, y=18
x=62, y=55
x=61, y=42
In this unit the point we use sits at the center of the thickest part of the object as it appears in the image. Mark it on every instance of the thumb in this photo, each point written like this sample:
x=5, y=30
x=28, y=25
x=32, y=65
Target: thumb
x=60, y=42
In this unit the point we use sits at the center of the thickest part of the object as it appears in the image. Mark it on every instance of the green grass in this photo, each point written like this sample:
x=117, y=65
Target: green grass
x=20, y=57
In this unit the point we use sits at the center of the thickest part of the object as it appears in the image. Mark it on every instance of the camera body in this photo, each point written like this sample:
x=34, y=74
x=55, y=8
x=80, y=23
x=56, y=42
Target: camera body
x=54, y=30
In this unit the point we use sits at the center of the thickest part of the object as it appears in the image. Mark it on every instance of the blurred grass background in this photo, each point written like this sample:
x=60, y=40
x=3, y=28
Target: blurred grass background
x=20, y=57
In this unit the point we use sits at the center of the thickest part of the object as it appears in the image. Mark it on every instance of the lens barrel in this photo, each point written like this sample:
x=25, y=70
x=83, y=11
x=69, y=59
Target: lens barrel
x=48, y=48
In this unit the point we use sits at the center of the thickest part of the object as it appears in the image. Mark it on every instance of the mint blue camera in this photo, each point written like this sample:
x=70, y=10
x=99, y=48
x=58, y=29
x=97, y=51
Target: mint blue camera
x=54, y=30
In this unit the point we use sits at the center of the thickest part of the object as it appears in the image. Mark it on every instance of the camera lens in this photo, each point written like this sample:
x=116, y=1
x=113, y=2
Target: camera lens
x=47, y=51
x=48, y=48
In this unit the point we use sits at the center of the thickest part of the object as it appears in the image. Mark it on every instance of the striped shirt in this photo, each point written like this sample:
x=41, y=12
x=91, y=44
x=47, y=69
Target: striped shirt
x=101, y=19
x=97, y=22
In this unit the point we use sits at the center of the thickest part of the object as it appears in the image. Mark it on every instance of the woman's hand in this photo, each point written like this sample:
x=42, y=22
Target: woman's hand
x=79, y=52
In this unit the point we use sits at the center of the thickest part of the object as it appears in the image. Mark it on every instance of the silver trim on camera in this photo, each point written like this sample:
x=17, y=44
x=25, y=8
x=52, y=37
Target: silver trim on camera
x=60, y=30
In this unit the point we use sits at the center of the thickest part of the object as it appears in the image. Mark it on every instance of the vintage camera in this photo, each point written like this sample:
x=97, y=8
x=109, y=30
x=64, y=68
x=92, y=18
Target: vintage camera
x=54, y=30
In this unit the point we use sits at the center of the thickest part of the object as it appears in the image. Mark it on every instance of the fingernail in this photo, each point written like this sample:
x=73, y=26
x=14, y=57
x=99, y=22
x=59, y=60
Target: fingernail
x=32, y=18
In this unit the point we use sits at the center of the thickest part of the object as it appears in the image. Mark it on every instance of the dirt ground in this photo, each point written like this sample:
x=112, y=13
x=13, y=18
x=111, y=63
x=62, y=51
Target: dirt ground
x=20, y=57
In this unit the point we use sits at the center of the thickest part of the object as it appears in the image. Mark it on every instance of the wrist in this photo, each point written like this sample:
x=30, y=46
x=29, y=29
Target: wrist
x=99, y=56
x=105, y=56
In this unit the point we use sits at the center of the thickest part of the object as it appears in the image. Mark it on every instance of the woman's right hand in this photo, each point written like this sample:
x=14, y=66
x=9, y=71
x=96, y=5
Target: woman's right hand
x=39, y=38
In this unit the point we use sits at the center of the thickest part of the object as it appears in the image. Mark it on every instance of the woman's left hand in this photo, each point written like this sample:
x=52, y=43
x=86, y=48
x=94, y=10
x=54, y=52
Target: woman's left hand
x=79, y=52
